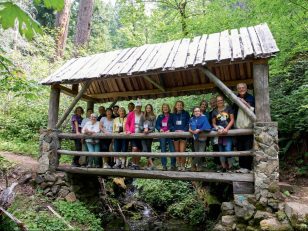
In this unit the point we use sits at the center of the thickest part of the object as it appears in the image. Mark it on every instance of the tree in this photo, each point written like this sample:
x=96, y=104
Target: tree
x=62, y=22
x=84, y=22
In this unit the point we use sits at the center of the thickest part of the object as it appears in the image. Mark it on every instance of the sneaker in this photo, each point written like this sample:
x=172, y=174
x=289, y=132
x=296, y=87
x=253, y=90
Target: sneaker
x=165, y=168
x=106, y=166
x=122, y=166
x=134, y=167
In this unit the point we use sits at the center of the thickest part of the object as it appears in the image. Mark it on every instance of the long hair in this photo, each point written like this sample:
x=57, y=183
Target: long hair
x=174, y=108
x=167, y=105
x=149, y=115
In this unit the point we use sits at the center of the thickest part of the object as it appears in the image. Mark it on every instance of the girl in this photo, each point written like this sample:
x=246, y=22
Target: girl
x=132, y=126
x=179, y=122
x=91, y=127
x=120, y=145
x=76, y=128
x=197, y=124
x=106, y=125
x=162, y=125
x=147, y=125
x=223, y=120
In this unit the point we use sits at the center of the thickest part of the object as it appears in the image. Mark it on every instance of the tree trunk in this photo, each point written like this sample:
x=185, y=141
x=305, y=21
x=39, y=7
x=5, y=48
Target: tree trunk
x=83, y=22
x=62, y=22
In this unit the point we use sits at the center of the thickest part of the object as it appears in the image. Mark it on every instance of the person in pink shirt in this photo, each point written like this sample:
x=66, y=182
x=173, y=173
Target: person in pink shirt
x=131, y=127
x=162, y=126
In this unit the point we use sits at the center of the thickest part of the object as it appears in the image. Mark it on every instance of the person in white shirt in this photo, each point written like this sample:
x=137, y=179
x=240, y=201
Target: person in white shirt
x=90, y=128
x=106, y=126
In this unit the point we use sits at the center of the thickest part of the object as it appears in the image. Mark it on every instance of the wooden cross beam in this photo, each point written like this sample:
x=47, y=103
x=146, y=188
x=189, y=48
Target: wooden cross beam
x=229, y=93
x=154, y=83
x=73, y=104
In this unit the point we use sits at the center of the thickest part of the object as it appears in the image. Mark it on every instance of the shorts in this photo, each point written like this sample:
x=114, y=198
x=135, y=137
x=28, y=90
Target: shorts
x=136, y=143
x=179, y=139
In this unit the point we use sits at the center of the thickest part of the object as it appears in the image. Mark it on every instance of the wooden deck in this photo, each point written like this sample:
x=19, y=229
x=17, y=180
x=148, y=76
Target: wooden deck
x=157, y=174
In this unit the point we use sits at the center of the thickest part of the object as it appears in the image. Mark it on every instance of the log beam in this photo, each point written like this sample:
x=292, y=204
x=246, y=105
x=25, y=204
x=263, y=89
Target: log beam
x=229, y=93
x=156, y=154
x=154, y=135
x=73, y=104
x=72, y=93
x=154, y=83
x=53, y=111
x=199, y=87
x=261, y=92
x=195, y=176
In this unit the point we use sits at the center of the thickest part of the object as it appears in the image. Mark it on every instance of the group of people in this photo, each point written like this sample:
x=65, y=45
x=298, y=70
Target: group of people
x=220, y=118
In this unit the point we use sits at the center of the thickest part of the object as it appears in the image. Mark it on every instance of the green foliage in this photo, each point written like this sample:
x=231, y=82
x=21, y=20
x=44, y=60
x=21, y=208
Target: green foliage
x=27, y=26
x=288, y=94
x=51, y=4
x=77, y=212
x=162, y=193
x=5, y=164
x=189, y=209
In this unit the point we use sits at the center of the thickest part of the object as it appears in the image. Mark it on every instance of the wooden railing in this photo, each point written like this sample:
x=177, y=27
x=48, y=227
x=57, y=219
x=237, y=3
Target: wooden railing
x=203, y=176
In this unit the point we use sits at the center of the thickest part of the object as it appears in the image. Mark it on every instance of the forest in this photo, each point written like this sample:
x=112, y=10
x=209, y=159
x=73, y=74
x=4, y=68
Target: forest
x=39, y=36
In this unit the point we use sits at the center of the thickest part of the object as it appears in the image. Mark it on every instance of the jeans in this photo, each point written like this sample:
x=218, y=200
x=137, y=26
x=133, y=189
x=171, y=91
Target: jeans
x=199, y=146
x=226, y=148
x=78, y=147
x=244, y=143
x=93, y=147
x=120, y=145
x=163, y=146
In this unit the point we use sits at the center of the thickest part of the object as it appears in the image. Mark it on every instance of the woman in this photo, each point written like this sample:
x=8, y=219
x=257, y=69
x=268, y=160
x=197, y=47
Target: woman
x=106, y=126
x=223, y=120
x=198, y=123
x=120, y=145
x=162, y=125
x=203, y=108
x=76, y=128
x=92, y=127
x=147, y=125
x=132, y=126
x=179, y=122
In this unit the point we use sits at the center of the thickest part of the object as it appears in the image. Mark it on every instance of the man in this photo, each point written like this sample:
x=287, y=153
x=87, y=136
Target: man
x=244, y=143
x=101, y=112
x=115, y=111
x=131, y=107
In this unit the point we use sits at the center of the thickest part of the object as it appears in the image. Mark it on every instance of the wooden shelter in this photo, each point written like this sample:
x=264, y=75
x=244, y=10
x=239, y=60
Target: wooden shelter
x=175, y=68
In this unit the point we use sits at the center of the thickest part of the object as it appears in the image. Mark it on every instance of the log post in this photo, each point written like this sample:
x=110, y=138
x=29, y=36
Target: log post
x=53, y=106
x=261, y=92
x=75, y=101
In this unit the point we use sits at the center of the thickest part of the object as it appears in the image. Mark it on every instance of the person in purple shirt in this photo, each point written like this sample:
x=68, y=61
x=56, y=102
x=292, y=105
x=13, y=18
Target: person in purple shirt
x=76, y=128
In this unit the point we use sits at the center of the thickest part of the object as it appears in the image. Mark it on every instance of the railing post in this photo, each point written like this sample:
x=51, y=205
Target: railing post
x=266, y=163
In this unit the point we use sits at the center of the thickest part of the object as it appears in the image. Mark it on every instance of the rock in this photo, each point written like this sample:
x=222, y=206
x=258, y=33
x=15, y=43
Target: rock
x=55, y=189
x=251, y=228
x=273, y=203
x=44, y=185
x=43, y=163
x=241, y=227
x=71, y=197
x=60, y=182
x=228, y=220
x=243, y=209
x=63, y=192
x=261, y=215
x=227, y=208
x=47, y=190
x=39, y=179
x=25, y=178
x=272, y=224
x=285, y=187
x=49, y=194
x=296, y=212
x=49, y=177
x=220, y=227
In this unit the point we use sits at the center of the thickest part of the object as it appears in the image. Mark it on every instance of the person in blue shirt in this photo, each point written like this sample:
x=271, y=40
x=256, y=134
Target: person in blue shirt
x=179, y=122
x=198, y=123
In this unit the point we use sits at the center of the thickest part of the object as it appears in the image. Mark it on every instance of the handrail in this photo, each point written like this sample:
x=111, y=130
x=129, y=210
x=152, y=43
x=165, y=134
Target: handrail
x=154, y=135
x=157, y=154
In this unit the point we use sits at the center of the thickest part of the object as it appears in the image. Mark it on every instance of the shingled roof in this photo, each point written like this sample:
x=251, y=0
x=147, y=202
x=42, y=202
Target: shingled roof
x=229, y=54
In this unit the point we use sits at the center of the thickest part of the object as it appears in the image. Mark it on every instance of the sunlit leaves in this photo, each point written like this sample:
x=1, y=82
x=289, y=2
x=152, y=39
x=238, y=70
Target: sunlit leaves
x=27, y=26
x=51, y=4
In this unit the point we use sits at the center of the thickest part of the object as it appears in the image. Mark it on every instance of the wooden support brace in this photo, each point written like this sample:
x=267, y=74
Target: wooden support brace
x=113, y=103
x=154, y=83
x=73, y=104
x=53, y=110
x=229, y=93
